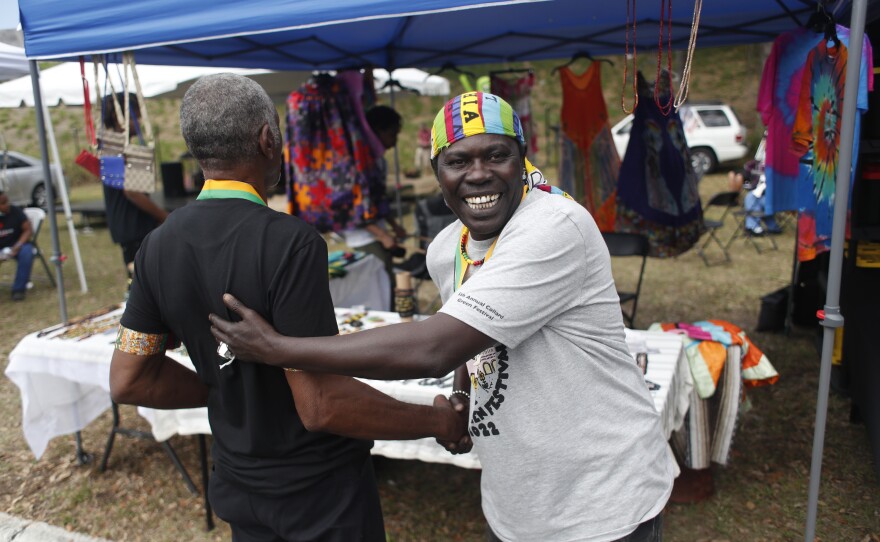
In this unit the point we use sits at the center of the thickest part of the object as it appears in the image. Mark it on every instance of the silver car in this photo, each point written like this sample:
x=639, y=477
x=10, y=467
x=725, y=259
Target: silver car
x=21, y=177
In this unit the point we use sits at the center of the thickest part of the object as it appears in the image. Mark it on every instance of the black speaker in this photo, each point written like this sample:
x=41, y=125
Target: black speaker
x=172, y=180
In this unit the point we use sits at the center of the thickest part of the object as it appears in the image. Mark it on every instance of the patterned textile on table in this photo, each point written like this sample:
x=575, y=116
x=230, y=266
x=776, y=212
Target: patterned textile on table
x=338, y=260
x=657, y=192
x=590, y=166
x=518, y=93
x=335, y=180
x=778, y=102
x=816, y=138
x=722, y=359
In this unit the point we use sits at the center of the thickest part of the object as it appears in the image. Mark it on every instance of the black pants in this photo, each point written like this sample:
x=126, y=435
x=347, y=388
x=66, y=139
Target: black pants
x=648, y=531
x=342, y=507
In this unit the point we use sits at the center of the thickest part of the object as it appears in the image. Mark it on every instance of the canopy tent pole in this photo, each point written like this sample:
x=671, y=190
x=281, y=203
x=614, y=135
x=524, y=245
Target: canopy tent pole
x=65, y=200
x=50, y=190
x=833, y=319
x=396, y=163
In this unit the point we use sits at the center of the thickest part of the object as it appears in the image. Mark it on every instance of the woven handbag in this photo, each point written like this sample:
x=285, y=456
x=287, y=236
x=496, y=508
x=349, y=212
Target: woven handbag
x=140, y=160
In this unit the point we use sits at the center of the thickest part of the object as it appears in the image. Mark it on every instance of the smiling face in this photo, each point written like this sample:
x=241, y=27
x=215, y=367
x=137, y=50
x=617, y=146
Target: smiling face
x=481, y=178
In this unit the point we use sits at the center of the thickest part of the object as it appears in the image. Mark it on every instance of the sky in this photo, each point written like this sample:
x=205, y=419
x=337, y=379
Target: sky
x=8, y=14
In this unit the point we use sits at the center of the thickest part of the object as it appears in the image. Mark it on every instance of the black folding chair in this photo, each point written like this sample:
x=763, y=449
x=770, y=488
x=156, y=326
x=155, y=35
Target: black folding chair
x=431, y=215
x=714, y=214
x=629, y=244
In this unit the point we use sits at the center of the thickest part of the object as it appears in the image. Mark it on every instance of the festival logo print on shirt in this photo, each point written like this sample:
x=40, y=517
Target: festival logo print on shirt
x=489, y=374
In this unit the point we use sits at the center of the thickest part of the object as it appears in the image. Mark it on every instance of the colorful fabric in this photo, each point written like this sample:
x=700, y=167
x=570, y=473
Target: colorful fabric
x=518, y=93
x=657, y=190
x=217, y=189
x=816, y=138
x=140, y=344
x=470, y=114
x=335, y=182
x=778, y=102
x=338, y=260
x=706, y=346
x=590, y=165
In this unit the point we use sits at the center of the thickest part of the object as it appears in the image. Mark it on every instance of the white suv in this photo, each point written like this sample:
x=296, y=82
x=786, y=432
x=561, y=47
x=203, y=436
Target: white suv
x=713, y=132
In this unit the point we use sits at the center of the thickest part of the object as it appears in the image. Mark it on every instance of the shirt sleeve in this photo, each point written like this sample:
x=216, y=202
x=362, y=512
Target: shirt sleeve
x=141, y=310
x=768, y=85
x=536, y=273
x=802, y=135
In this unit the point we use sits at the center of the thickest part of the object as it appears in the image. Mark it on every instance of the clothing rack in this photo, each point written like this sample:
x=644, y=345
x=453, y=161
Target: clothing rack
x=577, y=56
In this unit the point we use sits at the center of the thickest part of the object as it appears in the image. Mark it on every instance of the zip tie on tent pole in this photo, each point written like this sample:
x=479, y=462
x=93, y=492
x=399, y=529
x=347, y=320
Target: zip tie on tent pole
x=684, y=86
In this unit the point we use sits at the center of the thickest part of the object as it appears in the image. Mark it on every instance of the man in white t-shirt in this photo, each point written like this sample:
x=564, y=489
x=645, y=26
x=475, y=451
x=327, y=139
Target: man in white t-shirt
x=570, y=444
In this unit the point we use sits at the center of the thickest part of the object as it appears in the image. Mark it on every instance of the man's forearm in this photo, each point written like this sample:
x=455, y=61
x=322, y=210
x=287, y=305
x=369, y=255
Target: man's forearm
x=347, y=407
x=155, y=382
x=431, y=348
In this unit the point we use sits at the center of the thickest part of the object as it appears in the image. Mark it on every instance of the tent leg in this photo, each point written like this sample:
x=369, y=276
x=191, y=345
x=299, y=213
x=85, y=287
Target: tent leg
x=833, y=319
x=50, y=190
x=65, y=200
x=396, y=168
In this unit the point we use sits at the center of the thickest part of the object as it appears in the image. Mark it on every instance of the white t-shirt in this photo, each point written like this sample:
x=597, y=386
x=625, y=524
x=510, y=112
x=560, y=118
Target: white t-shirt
x=570, y=443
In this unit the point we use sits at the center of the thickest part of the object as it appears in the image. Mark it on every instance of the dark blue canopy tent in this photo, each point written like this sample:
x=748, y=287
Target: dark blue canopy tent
x=333, y=34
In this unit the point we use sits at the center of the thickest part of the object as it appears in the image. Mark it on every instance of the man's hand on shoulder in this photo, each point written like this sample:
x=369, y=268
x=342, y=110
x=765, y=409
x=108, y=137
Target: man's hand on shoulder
x=249, y=339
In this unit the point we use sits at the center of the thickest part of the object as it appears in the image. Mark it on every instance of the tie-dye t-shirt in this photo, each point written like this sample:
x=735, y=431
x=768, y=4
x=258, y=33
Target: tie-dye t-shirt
x=778, y=100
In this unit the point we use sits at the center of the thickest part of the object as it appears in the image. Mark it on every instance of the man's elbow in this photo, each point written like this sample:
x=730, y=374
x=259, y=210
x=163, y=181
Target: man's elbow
x=122, y=393
x=315, y=417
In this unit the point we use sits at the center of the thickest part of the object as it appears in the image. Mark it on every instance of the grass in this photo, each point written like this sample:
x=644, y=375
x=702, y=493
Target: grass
x=760, y=496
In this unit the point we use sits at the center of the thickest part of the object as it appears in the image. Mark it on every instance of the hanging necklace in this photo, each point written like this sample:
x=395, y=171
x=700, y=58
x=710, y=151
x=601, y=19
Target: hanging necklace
x=667, y=107
x=692, y=44
x=629, y=11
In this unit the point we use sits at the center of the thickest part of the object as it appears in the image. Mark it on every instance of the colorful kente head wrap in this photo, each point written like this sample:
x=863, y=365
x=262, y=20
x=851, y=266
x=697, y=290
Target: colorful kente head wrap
x=474, y=113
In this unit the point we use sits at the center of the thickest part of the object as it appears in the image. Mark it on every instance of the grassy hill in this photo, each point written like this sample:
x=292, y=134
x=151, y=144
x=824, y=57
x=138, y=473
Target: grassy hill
x=730, y=74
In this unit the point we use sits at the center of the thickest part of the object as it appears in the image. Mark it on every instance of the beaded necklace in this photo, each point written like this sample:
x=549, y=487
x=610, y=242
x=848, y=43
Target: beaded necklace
x=462, y=247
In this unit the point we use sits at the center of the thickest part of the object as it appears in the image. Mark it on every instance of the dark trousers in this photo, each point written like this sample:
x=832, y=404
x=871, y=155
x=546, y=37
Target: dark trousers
x=648, y=531
x=341, y=507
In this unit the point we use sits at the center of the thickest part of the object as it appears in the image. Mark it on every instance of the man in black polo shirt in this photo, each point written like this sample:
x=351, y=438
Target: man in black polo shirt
x=281, y=469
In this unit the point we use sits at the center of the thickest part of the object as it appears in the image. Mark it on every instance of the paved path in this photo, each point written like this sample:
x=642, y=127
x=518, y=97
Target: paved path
x=22, y=530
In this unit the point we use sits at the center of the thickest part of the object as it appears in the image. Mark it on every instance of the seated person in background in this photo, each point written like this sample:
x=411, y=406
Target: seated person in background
x=569, y=440
x=752, y=179
x=15, y=236
x=291, y=450
x=130, y=215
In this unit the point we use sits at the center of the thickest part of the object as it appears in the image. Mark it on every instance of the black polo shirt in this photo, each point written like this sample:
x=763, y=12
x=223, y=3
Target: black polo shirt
x=275, y=264
x=126, y=222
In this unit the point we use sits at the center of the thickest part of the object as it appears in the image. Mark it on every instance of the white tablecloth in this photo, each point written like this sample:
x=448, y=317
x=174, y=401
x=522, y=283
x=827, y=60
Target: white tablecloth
x=366, y=283
x=64, y=385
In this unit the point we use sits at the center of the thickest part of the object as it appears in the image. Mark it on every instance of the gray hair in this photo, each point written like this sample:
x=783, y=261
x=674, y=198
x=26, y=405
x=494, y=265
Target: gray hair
x=221, y=116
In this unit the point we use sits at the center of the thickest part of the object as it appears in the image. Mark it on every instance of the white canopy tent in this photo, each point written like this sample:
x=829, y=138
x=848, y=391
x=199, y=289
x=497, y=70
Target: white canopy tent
x=63, y=83
x=12, y=62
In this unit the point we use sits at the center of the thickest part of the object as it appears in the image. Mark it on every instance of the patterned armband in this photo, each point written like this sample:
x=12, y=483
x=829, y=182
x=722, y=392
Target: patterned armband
x=138, y=343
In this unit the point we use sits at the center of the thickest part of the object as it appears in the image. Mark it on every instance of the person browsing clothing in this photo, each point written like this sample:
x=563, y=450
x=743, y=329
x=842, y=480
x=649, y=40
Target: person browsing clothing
x=291, y=450
x=531, y=325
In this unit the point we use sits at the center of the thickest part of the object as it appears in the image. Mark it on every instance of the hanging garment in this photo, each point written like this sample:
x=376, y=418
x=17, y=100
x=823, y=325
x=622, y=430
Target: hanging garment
x=590, y=164
x=518, y=93
x=336, y=182
x=657, y=192
x=816, y=138
x=778, y=99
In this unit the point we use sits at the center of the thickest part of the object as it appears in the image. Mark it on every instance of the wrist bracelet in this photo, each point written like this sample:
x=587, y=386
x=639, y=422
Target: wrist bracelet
x=460, y=392
x=291, y=370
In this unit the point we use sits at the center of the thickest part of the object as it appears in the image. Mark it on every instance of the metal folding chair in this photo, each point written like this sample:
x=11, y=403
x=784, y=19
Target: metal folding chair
x=629, y=244
x=720, y=206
